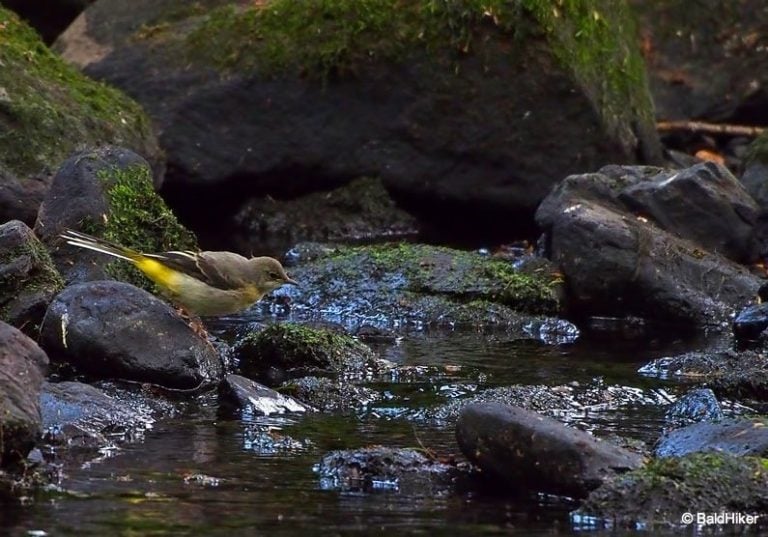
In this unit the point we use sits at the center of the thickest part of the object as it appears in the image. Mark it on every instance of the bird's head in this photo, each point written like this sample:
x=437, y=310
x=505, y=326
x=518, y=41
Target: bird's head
x=268, y=274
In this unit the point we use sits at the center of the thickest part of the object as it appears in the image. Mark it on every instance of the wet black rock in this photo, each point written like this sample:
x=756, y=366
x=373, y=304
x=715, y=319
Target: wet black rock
x=329, y=395
x=697, y=405
x=288, y=350
x=621, y=254
x=22, y=367
x=660, y=492
x=385, y=469
x=750, y=323
x=738, y=374
x=244, y=394
x=113, y=330
x=529, y=451
x=77, y=415
x=733, y=436
x=28, y=279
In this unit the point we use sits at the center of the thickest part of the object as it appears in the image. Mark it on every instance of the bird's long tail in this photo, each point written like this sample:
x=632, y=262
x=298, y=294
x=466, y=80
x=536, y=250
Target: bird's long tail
x=75, y=238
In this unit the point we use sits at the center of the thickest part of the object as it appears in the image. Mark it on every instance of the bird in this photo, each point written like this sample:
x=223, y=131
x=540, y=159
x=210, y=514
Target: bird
x=203, y=283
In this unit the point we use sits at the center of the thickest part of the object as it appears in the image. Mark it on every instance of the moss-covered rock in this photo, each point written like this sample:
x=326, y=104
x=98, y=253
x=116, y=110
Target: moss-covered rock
x=108, y=192
x=28, y=278
x=292, y=350
x=659, y=493
x=402, y=282
x=49, y=109
x=457, y=106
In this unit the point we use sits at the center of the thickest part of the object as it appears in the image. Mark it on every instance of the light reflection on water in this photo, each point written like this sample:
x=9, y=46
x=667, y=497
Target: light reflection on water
x=205, y=474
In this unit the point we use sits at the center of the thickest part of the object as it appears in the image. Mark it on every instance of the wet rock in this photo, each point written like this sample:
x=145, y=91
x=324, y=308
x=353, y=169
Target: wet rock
x=664, y=489
x=109, y=329
x=697, y=405
x=360, y=210
x=384, y=469
x=391, y=285
x=729, y=373
x=737, y=437
x=107, y=192
x=28, y=279
x=77, y=415
x=22, y=366
x=750, y=323
x=616, y=262
x=65, y=112
x=288, y=350
x=21, y=199
x=530, y=451
x=328, y=395
x=390, y=104
x=240, y=392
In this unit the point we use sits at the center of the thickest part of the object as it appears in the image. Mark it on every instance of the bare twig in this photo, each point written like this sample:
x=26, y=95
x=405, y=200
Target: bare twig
x=710, y=128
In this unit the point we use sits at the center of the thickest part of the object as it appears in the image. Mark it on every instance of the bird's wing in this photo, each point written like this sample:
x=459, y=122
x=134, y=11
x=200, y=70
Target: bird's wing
x=207, y=266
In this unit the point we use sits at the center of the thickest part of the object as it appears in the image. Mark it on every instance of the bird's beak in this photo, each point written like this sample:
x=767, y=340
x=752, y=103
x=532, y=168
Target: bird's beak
x=291, y=281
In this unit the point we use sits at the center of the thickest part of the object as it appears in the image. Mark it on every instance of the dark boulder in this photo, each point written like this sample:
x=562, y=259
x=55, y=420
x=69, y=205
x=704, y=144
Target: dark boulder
x=242, y=393
x=28, y=279
x=460, y=111
x=22, y=367
x=107, y=192
x=618, y=262
x=737, y=437
x=527, y=450
x=329, y=395
x=113, y=330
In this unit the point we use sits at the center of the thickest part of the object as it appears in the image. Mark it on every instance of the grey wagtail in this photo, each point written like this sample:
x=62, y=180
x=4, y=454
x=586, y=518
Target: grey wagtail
x=203, y=283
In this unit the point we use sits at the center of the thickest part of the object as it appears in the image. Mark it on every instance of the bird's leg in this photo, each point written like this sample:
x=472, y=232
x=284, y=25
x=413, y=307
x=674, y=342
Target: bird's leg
x=194, y=322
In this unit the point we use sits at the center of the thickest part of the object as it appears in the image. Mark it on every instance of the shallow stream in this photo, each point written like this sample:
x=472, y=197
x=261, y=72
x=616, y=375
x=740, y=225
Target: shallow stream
x=200, y=472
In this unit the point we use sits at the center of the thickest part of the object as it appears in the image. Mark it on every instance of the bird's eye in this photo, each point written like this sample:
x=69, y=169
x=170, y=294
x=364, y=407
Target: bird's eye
x=274, y=275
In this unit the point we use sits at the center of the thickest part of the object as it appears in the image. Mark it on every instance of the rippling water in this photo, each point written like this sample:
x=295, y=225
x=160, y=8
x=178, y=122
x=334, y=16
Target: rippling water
x=201, y=473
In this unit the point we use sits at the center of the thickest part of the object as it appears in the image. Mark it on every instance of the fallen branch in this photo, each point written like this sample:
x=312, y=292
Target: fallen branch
x=710, y=128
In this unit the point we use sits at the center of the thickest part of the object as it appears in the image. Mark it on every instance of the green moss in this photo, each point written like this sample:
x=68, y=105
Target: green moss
x=594, y=39
x=138, y=218
x=300, y=350
x=465, y=276
x=47, y=108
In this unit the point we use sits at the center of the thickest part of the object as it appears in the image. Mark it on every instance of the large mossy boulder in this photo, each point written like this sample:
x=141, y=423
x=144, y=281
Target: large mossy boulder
x=460, y=107
x=108, y=192
x=49, y=109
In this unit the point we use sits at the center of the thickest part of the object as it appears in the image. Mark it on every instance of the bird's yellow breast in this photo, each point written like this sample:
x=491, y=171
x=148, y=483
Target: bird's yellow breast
x=162, y=275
